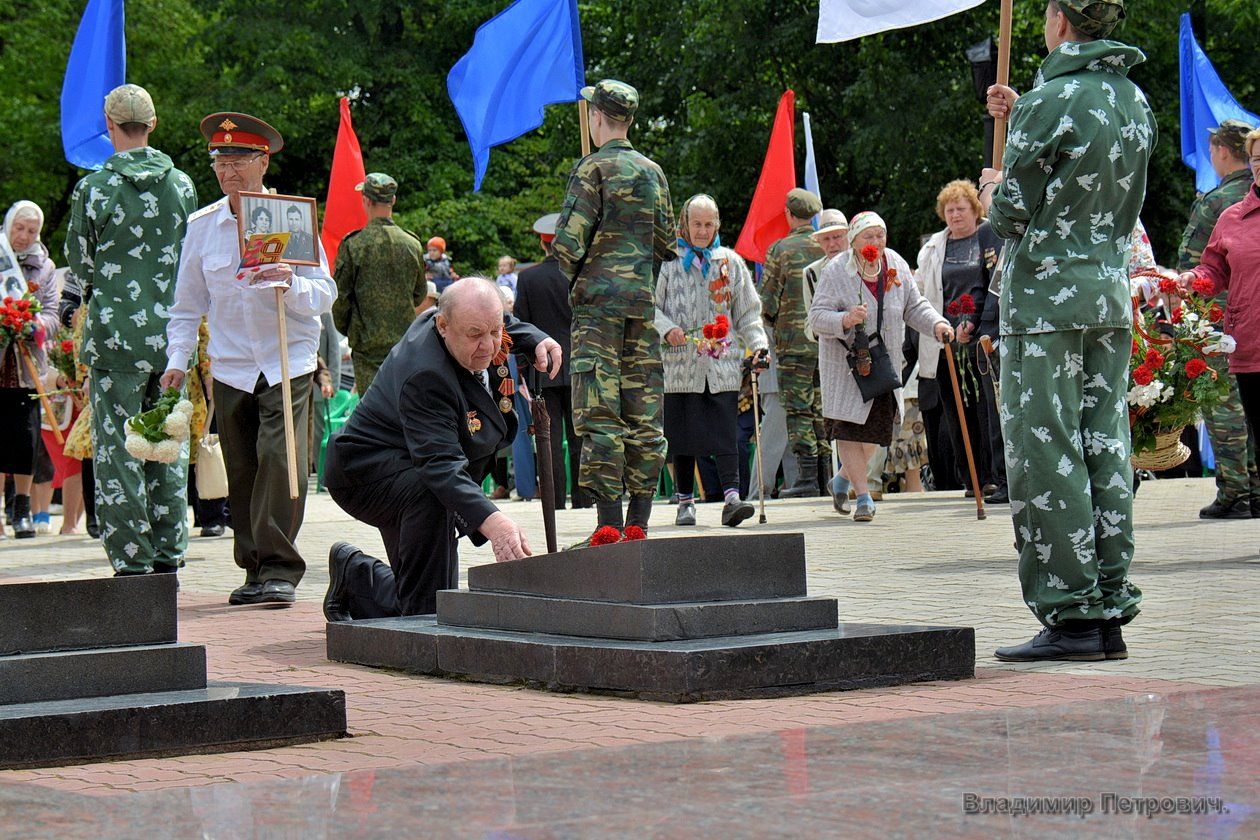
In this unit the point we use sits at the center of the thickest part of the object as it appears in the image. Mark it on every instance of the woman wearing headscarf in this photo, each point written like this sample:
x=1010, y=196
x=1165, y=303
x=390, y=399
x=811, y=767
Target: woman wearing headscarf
x=19, y=414
x=853, y=289
x=707, y=313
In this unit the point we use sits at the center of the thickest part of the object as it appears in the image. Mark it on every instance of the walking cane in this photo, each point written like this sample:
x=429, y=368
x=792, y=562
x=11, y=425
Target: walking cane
x=286, y=392
x=541, y=429
x=761, y=475
x=966, y=434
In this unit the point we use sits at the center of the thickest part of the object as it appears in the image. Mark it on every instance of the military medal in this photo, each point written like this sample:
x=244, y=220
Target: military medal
x=507, y=387
x=474, y=424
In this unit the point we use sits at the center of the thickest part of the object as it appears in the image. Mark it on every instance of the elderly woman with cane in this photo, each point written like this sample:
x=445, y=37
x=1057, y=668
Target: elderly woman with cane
x=707, y=309
x=864, y=301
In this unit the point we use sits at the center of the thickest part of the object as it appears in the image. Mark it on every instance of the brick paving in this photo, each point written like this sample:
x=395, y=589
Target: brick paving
x=925, y=559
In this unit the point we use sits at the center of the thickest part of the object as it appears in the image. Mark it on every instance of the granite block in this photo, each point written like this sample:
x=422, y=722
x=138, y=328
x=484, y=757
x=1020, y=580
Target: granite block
x=383, y=643
x=658, y=571
x=63, y=675
x=80, y=614
x=849, y=656
x=644, y=622
x=216, y=718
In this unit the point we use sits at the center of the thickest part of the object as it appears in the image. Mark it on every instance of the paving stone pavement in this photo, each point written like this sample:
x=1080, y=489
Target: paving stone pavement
x=925, y=559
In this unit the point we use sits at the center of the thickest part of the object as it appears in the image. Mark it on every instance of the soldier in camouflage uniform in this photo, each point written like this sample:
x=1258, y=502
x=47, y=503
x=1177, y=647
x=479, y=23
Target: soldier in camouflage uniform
x=784, y=307
x=380, y=281
x=1074, y=180
x=1233, y=446
x=615, y=228
x=127, y=224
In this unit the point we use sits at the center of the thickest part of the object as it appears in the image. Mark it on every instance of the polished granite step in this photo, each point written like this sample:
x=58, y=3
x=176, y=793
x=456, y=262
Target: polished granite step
x=93, y=613
x=219, y=717
x=642, y=622
x=737, y=567
x=65, y=675
x=850, y=656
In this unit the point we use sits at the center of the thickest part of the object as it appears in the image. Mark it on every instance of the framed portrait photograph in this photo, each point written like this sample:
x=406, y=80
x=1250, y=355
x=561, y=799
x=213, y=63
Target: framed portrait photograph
x=12, y=280
x=278, y=228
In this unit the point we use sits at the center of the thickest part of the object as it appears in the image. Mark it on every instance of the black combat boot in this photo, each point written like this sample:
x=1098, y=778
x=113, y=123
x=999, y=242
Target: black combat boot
x=824, y=474
x=1113, y=641
x=806, y=481
x=23, y=525
x=609, y=513
x=639, y=512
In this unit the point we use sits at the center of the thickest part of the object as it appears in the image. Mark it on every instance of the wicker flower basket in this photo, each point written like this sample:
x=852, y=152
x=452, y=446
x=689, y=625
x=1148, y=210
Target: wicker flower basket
x=1169, y=452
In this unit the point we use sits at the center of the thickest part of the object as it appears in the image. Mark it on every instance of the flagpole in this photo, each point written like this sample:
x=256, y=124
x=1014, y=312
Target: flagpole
x=585, y=124
x=1003, y=78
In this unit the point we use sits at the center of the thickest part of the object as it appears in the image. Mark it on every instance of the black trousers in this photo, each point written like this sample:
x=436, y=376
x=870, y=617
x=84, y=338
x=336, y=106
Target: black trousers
x=989, y=374
x=1249, y=395
x=727, y=475
x=977, y=428
x=560, y=410
x=420, y=542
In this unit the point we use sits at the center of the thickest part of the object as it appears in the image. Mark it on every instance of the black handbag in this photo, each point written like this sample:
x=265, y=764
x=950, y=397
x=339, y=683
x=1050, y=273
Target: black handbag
x=868, y=358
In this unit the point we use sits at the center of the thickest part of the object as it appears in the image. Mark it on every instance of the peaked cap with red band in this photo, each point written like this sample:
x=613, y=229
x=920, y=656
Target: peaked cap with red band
x=229, y=130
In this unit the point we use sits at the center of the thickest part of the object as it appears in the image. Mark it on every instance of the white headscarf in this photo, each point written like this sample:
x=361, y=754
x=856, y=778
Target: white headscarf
x=863, y=221
x=18, y=210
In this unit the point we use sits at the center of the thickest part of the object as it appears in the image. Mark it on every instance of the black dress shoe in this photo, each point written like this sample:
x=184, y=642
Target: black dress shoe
x=23, y=527
x=736, y=511
x=1000, y=496
x=1058, y=644
x=336, y=600
x=1240, y=509
x=277, y=592
x=1112, y=640
x=212, y=531
x=247, y=594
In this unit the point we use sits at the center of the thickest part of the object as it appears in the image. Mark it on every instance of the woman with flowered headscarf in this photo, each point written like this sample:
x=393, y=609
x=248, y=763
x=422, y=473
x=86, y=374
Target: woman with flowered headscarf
x=708, y=314
x=849, y=295
x=19, y=414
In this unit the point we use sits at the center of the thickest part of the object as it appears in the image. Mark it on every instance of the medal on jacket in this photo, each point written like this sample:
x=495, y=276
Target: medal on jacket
x=507, y=387
x=474, y=423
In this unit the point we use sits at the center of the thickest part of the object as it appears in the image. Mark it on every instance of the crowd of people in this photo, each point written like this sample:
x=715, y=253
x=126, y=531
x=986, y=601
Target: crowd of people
x=992, y=364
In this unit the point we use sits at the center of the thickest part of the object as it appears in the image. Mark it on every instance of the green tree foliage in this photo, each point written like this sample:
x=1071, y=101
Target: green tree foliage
x=895, y=116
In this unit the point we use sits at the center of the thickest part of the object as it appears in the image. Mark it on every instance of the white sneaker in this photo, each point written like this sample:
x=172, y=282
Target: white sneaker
x=42, y=527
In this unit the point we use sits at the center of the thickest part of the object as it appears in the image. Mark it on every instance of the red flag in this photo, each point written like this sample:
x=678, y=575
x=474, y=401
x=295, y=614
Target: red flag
x=765, y=223
x=343, y=209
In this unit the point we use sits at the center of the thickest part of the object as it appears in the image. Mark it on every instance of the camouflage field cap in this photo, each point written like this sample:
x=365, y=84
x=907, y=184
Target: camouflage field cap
x=130, y=104
x=1095, y=18
x=233, y=133
x=1232, y=134
x=803, y=204
x=615, y=99
x=378, y=187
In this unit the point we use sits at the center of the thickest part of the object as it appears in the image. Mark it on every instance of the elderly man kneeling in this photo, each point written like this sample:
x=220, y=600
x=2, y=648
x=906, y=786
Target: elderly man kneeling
x=412, y=457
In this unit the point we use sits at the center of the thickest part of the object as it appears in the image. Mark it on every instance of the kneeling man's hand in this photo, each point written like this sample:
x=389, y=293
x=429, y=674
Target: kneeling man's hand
x=547, y=357
x=506, y=537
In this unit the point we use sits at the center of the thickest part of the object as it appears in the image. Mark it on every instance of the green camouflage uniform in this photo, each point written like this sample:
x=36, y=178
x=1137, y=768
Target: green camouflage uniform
x=380, y=282
x=615, y=229
x=1074, y=181
x=783, y=304
x=127, y=223
x=1233, y=446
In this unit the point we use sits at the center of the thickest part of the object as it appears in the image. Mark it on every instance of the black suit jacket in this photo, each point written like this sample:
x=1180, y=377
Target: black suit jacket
x=427, y=413
x=542, y=299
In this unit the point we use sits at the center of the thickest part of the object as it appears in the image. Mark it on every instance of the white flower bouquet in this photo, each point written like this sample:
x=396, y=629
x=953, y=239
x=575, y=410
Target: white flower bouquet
x=159, y=433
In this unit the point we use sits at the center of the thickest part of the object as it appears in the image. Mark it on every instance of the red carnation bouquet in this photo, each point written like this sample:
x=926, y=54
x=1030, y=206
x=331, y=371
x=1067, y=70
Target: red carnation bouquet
x=1171, y=383
x=61, y=356
x=714, y=339
x=968, y=382
x=18, y=321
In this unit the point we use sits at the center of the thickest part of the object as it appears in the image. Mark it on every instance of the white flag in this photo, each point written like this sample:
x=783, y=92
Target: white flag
x=843, y=20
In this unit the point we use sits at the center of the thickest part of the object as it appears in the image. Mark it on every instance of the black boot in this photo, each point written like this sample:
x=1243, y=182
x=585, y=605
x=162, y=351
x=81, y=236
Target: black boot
x=609, y=513
x=806, y=482
x=1113, y=641
x=1237, y=509
x=824, y=474
x=23, y=525
x=639, y=511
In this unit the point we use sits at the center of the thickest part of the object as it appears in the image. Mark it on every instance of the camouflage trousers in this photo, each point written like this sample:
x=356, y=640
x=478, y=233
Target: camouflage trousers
x=1233, y=446
x=1066, y=427
x=618, y=387
x=365, y=367
x=802, y=402
x=141, y=506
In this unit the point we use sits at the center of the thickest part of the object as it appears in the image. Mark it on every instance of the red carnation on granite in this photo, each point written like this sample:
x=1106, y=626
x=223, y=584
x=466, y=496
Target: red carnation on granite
x=605, y=535
x=1196, y=368
x=1142, y=375
x=634, y=532
x=870, y=253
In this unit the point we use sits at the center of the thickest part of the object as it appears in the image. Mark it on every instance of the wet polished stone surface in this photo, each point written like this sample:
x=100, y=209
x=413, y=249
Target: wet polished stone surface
x=848, y=657
x=218, y=716
x=904, y=778
x=79, y=614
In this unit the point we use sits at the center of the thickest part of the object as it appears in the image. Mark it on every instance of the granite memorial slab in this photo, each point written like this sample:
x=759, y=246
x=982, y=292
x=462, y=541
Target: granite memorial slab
x=80, y=614
x=64, y=675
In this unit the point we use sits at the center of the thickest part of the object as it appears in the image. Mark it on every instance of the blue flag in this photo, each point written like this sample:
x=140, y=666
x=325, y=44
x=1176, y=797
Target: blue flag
x=1205, y=103
x=97, y=65
x=523, y=59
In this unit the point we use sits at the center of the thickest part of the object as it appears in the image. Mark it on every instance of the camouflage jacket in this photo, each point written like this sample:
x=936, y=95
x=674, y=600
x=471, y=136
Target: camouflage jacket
x=1074, y=180
x=614, y=231
x=380, y=282
x=127, y=225
x=1204, y=213
x=783, y=290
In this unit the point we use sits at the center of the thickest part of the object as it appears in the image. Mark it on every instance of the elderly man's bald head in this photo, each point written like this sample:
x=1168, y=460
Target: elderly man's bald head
x=470, y=321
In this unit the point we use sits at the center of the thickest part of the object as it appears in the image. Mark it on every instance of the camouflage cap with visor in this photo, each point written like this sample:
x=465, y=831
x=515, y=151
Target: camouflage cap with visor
x=803, y=204
x=614, y=99
x=130, y=104
x=1093, y=18
x=378, y=187
x=1232, y=134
